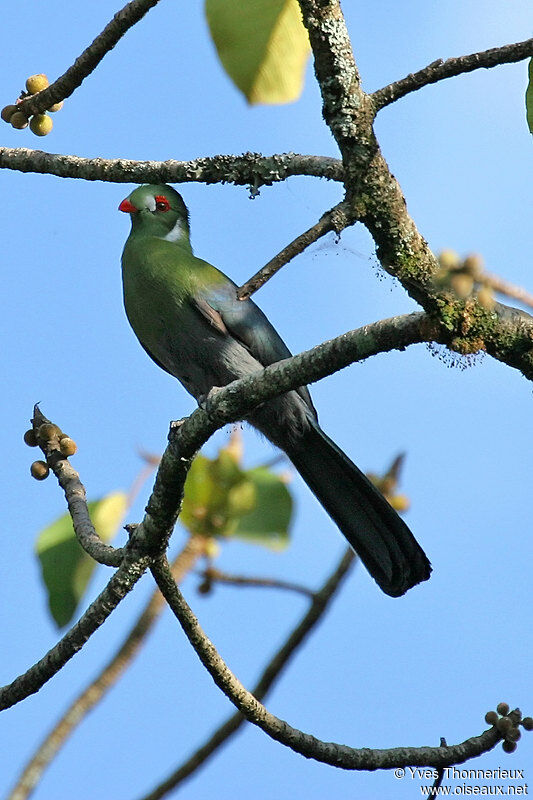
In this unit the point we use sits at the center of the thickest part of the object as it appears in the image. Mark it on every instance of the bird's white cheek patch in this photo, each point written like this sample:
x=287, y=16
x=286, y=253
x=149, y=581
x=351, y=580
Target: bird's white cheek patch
x=175, y=233
x=150, y=203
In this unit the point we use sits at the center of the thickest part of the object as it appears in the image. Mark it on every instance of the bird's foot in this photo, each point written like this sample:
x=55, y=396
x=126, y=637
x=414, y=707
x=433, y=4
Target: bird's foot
x=176, y=424
x=174, y=428
x=205, y=401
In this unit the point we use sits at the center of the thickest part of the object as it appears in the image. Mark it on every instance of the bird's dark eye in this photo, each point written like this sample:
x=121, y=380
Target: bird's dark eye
x=161, y=203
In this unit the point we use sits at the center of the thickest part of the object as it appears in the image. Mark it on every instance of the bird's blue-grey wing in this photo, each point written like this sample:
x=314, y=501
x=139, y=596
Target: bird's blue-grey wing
x=245, y=321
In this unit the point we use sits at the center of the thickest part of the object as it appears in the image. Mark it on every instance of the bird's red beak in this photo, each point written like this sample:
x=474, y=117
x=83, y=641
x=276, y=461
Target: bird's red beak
x=128, y=207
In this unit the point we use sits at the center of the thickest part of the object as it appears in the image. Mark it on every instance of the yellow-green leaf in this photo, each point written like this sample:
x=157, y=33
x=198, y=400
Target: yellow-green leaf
x=242, y=498
x=262, y=45
x=529, y=98
x=66, y=568
x=205, y=504
x=268, y=522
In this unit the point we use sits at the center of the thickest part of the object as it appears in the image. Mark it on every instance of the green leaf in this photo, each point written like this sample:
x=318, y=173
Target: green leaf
x=65, y=567
x=223, y=500
x=205, y=509
x=529, y=98
x=268, y=523
x=263, y=46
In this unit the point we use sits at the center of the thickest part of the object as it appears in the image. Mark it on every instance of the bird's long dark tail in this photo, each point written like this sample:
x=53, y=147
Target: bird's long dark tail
x=378, y=535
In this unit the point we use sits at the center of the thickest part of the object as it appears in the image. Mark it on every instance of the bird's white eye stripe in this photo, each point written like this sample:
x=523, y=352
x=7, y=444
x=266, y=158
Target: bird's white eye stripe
x=150, y=203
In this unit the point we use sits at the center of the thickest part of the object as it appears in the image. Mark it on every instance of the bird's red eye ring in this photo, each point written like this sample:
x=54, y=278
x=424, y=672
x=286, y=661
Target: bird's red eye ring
x=161, y=203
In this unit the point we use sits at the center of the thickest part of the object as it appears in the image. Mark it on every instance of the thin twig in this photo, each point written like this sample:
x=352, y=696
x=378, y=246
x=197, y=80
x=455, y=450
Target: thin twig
x=440, y=70
x=98, y=688
x=337, y=755
x=90, y=58
x=122, y=582
x=320, y=603
x=139, y=481
x=440, y=773
x=506, y=288
x=336, y=219
x=250, y=168
x=217, y=576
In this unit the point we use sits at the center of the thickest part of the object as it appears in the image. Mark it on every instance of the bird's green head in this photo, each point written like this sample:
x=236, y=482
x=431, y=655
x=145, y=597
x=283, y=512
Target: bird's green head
x=158, y=210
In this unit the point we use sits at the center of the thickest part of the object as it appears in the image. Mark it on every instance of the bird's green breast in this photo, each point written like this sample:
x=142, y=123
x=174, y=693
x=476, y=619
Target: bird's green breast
x=159, y=279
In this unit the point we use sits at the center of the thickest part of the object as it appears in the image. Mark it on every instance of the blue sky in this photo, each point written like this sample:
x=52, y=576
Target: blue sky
x=378, y=672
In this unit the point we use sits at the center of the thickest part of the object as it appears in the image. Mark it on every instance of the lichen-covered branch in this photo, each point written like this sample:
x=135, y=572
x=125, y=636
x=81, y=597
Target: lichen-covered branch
x=345, y=107
x=319, y=605
x=122, y=582
x=108, y=676
x=378, y=202
x=336, y=755
x=90, y=58
x=251, y=169
x=440, y=70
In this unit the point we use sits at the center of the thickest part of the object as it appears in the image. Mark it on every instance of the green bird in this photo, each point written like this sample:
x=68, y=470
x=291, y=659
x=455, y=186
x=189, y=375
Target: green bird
x=186, y=315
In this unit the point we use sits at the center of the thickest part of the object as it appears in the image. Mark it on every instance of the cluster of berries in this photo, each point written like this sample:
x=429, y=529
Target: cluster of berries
x=465, y=277
x=42, y=436
x=506, y=723
x=40, y=124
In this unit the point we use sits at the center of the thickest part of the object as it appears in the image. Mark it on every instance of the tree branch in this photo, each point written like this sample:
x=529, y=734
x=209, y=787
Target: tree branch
x=90, y=58
x=75, y=495
x=124, y=579
x=377, y=200
x=213, y=575
x=506, y=288
x=440, y=70
x=320, y=603
x=334, y=220
x=337, y=755
x=108, y=676
x=248, y=169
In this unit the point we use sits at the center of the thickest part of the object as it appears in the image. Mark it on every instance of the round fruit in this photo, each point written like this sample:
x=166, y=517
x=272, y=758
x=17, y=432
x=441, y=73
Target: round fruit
x=7, y=112
x=504, y=725
x=400, y=502
x=56, y=106
x=486, y=298
x=47, y=431
x=29, y=438
x=67, y=446
x=449, y=259
x=36, y=83
x=40, y=470
x=19, y=120
x=462, y=284
x=41, y=124
x=474, y=265
x=502, y=708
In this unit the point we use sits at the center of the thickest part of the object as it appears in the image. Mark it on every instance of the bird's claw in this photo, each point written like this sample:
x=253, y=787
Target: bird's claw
x=175, y=424
x=205, y=401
